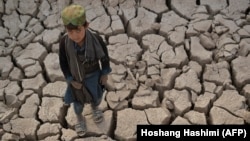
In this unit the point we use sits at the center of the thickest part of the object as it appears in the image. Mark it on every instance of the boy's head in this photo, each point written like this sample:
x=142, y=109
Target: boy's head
x=73, y=16
x=74, y=20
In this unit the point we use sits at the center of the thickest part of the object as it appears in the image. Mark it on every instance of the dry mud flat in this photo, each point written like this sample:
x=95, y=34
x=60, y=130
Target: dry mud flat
x=174, y=62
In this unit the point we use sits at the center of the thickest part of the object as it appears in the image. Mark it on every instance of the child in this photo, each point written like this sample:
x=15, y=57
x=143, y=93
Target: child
x=79, y=53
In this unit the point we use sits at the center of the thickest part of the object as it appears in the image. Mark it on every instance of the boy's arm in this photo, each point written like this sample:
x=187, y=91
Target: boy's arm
x=64, y=62
x=105, y=61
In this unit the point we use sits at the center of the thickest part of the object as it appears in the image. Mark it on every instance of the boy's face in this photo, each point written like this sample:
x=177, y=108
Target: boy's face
x=77, y=35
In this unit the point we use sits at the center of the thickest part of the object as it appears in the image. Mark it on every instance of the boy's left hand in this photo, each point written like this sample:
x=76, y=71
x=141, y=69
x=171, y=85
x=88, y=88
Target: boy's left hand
x=103, y=79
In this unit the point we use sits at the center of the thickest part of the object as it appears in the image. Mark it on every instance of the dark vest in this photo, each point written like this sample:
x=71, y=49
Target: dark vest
x=79, y=65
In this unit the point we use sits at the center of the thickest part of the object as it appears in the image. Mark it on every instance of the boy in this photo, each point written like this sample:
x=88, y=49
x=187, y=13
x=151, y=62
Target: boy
x=79, y=53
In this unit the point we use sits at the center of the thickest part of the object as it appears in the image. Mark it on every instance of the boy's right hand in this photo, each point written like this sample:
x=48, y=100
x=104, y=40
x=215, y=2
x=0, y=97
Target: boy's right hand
x=76, y=84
